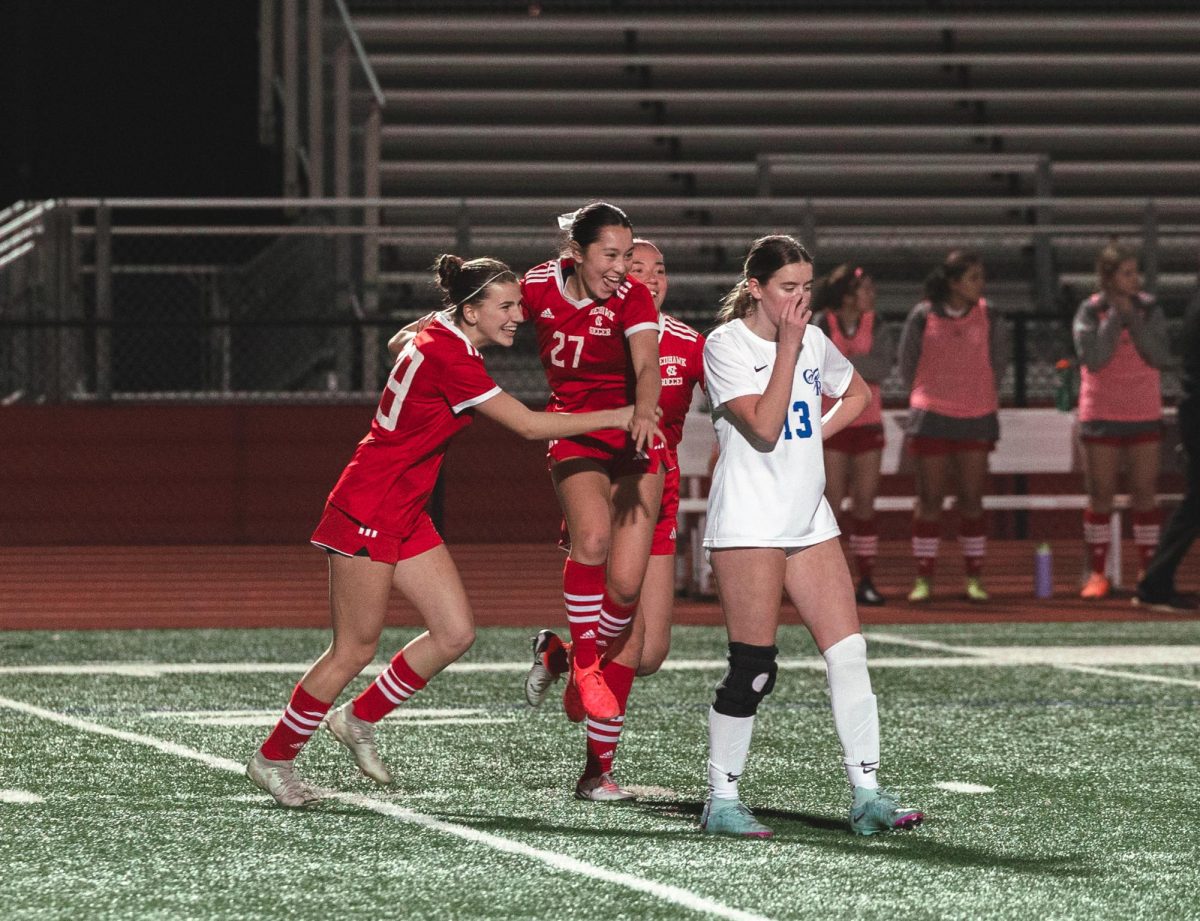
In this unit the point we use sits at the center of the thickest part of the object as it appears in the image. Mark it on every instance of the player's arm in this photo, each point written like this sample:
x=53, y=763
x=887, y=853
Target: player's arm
x=536, y=426
x=402, y=338
x=643, y=353
x=762, y=415
x=848, y=408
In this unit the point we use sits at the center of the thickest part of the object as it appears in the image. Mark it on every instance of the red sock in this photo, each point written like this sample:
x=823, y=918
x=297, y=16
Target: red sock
x=1095, y=538
x=614, y=618
x=300, y=719
x=864, y=545
x=583, y=592
x=1146, y=528
x=395, y=684
x=604, y=735
x=926, y=538
x=972, y=539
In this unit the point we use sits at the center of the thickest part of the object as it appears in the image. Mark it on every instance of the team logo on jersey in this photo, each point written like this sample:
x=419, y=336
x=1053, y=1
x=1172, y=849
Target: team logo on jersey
x=599, y=329
x=813, y=376
x=547, y=314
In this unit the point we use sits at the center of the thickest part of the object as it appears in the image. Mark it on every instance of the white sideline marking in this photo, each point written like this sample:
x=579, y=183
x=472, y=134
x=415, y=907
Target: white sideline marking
x=667, y=893
x=20, y=796
x=957, y=657
x=1068, y=658
x=422, y=717
x=959, y=786
x=644, y=790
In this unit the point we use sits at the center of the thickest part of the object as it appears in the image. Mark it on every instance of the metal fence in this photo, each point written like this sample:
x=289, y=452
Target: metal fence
x=144, y=300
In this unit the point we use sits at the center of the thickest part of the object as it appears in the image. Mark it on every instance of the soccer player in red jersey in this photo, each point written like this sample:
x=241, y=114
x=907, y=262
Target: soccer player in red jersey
x=379, y=537
x=845, y=308
x=597, y=333
x=642, y=651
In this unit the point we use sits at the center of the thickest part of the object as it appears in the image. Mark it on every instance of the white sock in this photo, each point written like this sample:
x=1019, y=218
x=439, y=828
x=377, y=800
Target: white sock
x=728, y=745
x=855, y=715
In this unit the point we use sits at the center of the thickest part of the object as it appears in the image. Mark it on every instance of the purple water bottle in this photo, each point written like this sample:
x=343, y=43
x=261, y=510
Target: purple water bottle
x=1043, y=572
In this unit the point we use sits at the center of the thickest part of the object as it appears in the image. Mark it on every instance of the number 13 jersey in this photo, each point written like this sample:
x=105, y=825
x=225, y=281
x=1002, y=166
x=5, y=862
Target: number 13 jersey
x=770, y=495
x=582, y=343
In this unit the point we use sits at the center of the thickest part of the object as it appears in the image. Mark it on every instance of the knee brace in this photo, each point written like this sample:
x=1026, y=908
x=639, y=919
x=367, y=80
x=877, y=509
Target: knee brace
x=750, y=678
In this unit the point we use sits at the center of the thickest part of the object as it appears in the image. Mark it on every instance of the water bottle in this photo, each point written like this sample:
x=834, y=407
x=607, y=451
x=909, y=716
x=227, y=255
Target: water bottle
x=1043, y=572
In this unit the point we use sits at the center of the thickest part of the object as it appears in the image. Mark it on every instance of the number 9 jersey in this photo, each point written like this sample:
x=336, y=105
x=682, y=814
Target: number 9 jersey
x=582, y=343
x=770, y=496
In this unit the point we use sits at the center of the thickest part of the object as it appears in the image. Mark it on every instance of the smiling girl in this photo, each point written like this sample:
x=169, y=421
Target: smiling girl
x=379, y=537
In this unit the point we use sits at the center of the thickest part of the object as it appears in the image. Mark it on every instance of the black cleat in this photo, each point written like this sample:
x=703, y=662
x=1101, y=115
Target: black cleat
x=867, y=594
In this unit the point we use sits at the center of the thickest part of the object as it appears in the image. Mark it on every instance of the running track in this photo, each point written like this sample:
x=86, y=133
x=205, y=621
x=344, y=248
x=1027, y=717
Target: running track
x=59, y=588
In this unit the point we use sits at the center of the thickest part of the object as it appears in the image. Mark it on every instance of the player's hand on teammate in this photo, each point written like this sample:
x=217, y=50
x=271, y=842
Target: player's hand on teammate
x=643, y=428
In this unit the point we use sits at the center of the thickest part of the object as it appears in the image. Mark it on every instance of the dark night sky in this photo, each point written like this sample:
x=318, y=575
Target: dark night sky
x=131, y=97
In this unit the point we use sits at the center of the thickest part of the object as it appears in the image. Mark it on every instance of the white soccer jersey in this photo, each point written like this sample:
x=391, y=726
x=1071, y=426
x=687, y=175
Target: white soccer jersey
x=776, y=497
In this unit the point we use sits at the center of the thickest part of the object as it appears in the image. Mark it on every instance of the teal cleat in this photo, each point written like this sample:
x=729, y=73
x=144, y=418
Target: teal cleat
x=730, y=817
x=877, y=810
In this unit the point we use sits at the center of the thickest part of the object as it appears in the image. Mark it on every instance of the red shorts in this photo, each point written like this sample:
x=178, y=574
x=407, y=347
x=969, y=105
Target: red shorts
x=1122, y=441
x=923, y=445
x=857, y=439
x=338, y=533
x=668, y=516
x=612, y=449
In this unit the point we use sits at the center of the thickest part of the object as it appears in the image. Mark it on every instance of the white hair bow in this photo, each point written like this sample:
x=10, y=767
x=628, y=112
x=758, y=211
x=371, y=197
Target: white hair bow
x=566, y=220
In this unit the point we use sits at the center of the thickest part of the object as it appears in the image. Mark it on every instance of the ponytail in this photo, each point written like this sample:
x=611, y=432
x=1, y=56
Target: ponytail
x=465, y=282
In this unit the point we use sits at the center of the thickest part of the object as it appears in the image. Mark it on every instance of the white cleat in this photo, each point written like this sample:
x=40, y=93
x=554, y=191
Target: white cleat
x=359, y=737
x=279, y=779
x=602, y=789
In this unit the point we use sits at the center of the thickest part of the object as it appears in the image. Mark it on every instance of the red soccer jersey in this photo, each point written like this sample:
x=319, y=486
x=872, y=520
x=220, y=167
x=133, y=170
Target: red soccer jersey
x=434, y=384
x=681, y=361
x=583, y=343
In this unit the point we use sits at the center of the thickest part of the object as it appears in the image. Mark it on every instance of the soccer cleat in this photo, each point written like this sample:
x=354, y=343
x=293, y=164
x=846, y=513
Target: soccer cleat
x=572, y=702
x=730, y=817
x=1096, y=588
x=976, y=593
x=359, y=737
x=867, y=594
x=922, y=591
x=541, y=673
x=877, y=810
x=595, y=699
x=602, y=789
x=279, y=779
x=1171, y=604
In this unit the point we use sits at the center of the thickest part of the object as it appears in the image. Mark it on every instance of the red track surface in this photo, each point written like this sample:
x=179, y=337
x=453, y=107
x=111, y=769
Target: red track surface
x=58, y=588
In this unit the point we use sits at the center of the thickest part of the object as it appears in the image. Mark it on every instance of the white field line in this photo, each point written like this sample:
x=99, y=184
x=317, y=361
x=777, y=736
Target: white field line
x=1086, y=659
x=954, y=657
x=959, y=786
x=562, y=862
x=414, y=715
x=20, y=797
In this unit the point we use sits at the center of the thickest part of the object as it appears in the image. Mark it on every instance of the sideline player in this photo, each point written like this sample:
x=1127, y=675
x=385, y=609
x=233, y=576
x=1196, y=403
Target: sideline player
x=845, y=312
x=597, y=335
x=1121, y=340
x=953, y=353
x=642, y=651
x=770, y=529
x=379, y=537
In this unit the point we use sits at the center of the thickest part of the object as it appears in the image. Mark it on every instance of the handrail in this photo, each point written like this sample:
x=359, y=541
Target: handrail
x=361, y=53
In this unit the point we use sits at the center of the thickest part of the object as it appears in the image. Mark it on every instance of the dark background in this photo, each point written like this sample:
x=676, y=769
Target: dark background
x=131, y=98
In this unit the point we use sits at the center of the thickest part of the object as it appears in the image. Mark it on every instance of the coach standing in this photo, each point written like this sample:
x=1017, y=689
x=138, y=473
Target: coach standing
x=1157, y=587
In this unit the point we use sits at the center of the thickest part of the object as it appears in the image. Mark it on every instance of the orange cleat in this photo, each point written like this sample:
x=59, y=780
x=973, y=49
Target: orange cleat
x=1096, y=587
x=596, y=699
x=572, y=703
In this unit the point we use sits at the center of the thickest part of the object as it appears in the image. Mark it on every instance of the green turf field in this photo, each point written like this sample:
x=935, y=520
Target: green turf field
x=121, y=794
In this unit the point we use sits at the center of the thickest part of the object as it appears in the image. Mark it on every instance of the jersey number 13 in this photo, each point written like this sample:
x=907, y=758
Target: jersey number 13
x=803, y=422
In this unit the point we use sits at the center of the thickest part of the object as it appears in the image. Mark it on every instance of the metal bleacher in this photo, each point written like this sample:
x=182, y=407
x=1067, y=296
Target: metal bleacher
x=881, y=138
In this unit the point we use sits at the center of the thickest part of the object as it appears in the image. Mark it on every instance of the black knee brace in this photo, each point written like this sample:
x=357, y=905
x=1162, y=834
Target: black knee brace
x=750, y=678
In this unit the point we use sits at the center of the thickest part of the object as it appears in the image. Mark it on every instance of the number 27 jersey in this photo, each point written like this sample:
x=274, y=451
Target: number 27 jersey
x=582, y=343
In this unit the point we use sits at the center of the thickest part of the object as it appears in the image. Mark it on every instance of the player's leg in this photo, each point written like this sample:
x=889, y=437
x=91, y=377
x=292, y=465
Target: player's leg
x=358, y=593
x=654, y=612
x=971, y=469
x=931, y=475
x=837, y=479
x=817, y=582
x=864, y=529
x=1101, y=465
x=750, y=586
x=1145, y=461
